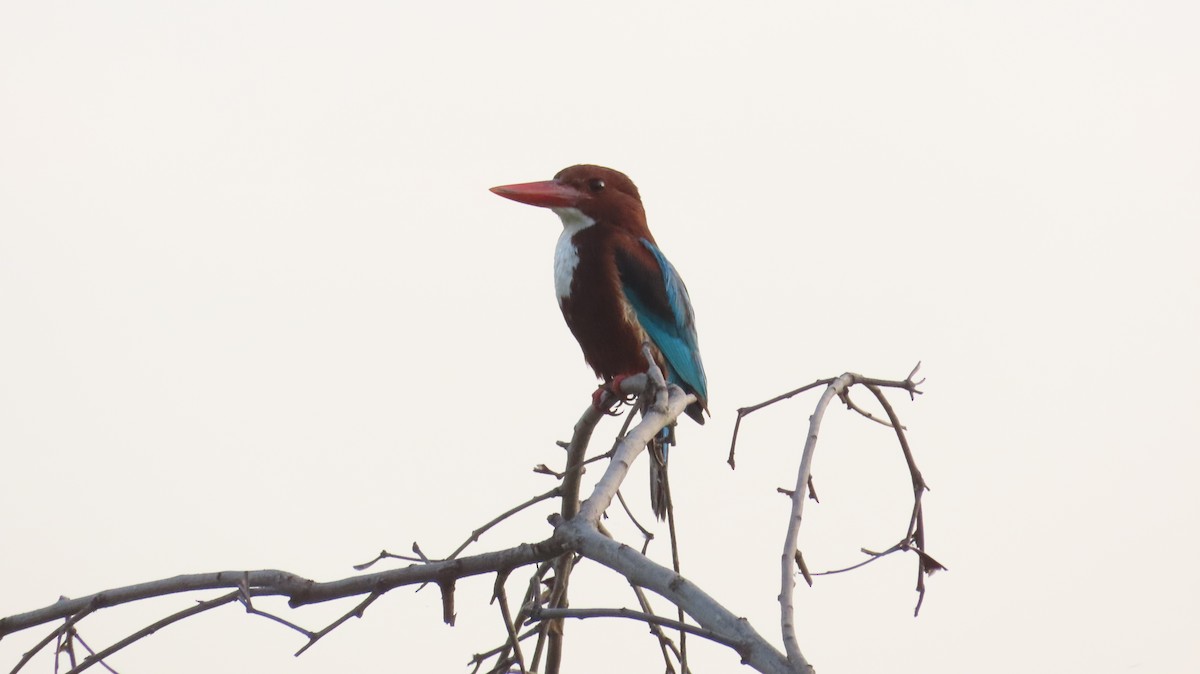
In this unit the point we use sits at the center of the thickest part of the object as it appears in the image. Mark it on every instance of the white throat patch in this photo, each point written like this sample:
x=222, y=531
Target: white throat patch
x=566, y=255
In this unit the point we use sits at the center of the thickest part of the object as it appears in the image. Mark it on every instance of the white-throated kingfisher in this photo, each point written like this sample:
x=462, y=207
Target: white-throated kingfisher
x=615, y=287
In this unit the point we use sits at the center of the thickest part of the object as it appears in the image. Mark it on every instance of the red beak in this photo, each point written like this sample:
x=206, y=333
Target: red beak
x=547, y=194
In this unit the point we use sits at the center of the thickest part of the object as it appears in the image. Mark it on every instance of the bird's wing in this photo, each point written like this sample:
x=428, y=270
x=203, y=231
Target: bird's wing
x=660, y=300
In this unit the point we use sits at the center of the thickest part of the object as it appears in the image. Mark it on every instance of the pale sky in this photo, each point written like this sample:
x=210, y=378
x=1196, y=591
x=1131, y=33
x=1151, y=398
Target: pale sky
x=259, y=310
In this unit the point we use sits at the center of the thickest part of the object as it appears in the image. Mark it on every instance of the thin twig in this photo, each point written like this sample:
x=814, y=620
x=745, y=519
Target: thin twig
x=681, y=617
x=356, y=612
x=534, y=596
x=250, y=608
x=474, y=537
x=503, y=516
x=872, y=556
x=584, y=613
x=501, y=596
x=480, y=658
x=558, y=599
x=853, y=406
x=647, y=535
x=63, y=642
x=916, y=530
x=384, y=554
x=543, y=469
x=665, y=644
x=76, y=636
x=200, y=607
x=745, y=411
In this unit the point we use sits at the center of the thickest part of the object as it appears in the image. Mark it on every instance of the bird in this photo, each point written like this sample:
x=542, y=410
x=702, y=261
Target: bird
x=617, y=291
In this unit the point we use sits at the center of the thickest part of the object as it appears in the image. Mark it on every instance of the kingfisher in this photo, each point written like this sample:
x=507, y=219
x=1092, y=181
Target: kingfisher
x=617, y=291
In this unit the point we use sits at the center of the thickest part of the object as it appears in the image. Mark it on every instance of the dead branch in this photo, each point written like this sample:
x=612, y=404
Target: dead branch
x=299, y=590
x=838, y=387
x=787, y=590
x=578, y=534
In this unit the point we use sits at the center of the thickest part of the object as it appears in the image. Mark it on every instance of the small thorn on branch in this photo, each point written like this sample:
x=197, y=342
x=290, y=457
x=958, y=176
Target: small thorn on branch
x=812, y=491
x=384, y=554
x=928, y=564
x=543, y=469
x=417, y=551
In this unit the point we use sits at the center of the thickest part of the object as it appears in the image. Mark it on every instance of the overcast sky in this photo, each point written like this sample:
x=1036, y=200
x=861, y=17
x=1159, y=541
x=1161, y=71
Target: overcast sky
x=258, y=310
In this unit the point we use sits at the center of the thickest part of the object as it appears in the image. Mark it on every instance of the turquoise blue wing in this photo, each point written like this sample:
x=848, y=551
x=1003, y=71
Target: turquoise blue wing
x=660, y=300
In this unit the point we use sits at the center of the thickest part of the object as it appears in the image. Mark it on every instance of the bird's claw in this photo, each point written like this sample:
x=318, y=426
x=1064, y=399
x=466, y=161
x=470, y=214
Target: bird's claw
x=613, y=387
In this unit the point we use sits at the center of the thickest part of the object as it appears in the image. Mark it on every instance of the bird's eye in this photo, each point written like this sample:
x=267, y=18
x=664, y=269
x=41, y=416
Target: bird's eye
x=596, y=185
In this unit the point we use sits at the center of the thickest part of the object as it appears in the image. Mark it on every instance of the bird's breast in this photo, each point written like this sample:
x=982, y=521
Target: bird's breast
x=566, y=251
x=566, y=259
x=596, y=309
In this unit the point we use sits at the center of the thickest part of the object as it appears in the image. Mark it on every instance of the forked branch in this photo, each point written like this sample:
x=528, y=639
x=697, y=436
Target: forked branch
x=577, y=535
x=791, y=558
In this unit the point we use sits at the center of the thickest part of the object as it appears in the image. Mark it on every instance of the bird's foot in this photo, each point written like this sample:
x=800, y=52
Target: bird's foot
x=613, y=387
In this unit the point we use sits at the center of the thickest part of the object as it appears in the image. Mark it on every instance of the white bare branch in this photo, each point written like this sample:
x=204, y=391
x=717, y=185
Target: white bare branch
x=787, y=591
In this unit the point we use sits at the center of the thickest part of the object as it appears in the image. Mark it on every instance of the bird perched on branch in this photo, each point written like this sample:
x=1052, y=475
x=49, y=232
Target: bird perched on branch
x=617, y=290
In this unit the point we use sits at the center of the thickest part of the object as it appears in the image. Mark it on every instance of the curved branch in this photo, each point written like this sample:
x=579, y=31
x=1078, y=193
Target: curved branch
x=627, y=450
x=787, y=591
x=501, y=517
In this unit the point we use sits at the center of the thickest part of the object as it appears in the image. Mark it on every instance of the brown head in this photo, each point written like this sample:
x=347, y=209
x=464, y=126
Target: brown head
x=602, y=194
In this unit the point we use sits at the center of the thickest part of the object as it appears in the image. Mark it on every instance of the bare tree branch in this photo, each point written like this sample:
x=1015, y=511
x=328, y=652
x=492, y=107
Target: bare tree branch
x=578, y=534
x=835, y=387
x=300, y=591
x=787, y=589
x=916, y=527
